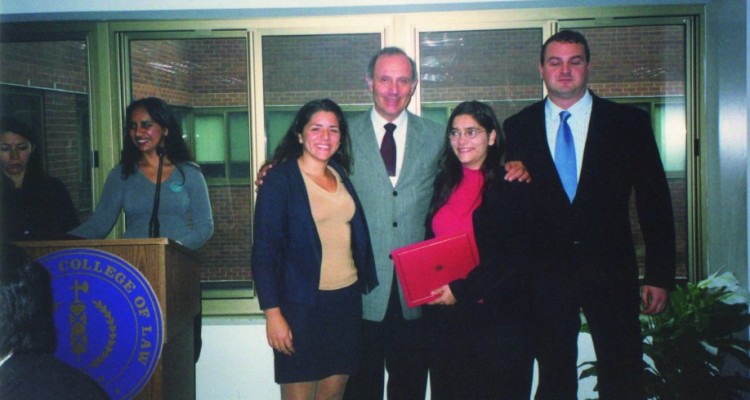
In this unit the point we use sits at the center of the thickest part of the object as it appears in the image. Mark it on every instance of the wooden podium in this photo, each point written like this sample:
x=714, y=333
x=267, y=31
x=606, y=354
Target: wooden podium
x=173, y=272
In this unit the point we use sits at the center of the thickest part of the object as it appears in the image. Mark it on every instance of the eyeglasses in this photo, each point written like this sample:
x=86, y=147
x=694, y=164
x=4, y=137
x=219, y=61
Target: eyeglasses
x=470, y=133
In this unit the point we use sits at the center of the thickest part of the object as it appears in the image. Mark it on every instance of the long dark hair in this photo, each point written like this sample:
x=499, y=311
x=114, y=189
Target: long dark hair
x=290, y=148
x=174, y=144
x=34, y=166
x=451, y=171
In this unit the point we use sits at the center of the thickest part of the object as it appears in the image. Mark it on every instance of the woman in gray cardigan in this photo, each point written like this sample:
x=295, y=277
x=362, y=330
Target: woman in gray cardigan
x=184, y=211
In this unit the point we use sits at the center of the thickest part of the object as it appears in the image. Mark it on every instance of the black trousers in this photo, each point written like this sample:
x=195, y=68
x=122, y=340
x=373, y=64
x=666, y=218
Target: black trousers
x=395, y=345
x=612, y=315
x=478, y=353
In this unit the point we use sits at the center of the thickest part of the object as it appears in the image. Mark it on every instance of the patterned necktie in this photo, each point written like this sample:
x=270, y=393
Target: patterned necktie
x=388, y=149
x=565, y=156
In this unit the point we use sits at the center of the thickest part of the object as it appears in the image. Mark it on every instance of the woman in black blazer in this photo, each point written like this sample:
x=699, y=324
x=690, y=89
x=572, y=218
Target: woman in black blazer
x=479, y=325
x=312, y=257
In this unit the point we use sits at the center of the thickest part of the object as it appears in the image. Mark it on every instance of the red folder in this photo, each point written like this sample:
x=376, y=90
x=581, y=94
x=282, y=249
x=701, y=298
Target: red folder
x=425, y=266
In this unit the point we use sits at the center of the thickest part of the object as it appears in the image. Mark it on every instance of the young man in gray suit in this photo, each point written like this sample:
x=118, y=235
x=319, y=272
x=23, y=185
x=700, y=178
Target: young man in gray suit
x=587, y=155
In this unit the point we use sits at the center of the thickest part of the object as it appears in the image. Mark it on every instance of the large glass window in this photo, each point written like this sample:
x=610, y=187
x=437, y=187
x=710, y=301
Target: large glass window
x=645, y=65
x=300, y=68
x=206, y=81
x=46, y=84
x=208, y=76
x=495, y=66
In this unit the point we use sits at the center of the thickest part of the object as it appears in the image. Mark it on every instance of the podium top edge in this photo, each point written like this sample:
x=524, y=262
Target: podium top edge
x=94, y=243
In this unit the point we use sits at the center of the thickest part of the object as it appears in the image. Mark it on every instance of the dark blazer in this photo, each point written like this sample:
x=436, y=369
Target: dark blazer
x=40, y=210
x=620, y=156
x=503, y=231
x=287, y=252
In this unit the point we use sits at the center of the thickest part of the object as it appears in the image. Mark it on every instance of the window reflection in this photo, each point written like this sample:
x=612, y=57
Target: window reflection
x=205, y=80
x=46, y=85
x=498, y=67
x=300, y=68
x=645, y=65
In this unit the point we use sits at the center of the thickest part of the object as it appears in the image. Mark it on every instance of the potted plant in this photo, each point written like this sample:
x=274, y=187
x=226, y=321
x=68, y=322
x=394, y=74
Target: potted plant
x=687, y=347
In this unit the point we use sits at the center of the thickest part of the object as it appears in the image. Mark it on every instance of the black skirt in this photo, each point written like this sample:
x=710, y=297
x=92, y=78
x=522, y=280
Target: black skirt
x=326, y=337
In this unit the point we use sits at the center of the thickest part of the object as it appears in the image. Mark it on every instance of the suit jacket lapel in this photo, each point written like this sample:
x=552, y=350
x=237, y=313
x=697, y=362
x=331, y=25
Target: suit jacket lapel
x=593, y=137
x=412, y=149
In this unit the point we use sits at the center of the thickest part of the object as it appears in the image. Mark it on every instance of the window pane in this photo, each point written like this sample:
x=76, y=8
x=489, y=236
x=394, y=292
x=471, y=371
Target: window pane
x=210, y=143
x=669, y=120
x=297, y=69
x=239, y=148
x=495, y=66
x=648, y=63
x=46, y=85
x=196, y=75
x=277, y=123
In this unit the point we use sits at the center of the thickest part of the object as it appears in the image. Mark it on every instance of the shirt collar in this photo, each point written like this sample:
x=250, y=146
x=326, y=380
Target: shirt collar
x=379, y=122
x=583, y=104
x=4, y=359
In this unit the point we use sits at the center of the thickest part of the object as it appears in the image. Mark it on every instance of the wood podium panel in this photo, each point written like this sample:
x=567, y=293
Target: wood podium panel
x=174, y=274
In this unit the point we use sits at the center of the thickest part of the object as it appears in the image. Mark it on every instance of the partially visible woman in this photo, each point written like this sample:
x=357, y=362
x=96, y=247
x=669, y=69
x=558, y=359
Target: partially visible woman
x=312, y=257
x=478, y=346
x=28, y=366
x=184, y=212
x=35, y=206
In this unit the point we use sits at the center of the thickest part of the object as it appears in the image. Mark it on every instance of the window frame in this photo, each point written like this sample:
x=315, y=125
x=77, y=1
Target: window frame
x=109, y=86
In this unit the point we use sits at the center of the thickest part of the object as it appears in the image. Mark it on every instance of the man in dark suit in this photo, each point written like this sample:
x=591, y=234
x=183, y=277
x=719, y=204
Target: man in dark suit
x=586, y=155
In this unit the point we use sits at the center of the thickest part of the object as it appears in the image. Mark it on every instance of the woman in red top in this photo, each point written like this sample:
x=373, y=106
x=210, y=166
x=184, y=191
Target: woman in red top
x=479, y=324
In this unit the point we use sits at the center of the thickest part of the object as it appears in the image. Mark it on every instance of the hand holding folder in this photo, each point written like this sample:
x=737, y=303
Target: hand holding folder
x=425, y=266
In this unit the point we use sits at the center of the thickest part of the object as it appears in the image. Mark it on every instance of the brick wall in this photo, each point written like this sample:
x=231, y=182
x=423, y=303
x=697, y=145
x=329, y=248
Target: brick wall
x=301, y=68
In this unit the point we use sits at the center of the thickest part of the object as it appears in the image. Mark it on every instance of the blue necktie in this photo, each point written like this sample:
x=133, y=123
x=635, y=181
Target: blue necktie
x=565, y=156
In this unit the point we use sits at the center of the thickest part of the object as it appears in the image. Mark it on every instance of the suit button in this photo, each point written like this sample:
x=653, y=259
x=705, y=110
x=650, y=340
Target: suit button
x=395, y=224
x=395, y=193
x=576, y=243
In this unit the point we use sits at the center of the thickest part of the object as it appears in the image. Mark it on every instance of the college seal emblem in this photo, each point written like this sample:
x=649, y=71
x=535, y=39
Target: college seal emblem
x=108, y=319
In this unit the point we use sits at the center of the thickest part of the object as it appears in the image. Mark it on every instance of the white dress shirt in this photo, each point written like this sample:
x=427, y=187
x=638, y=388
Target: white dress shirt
x=399, y=135
x=580, y=115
